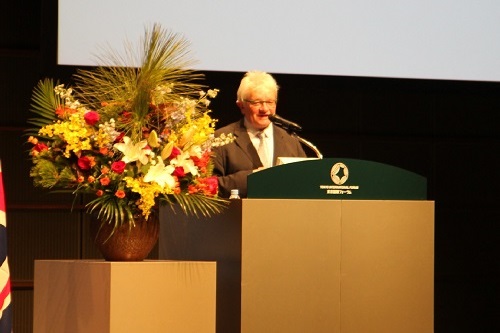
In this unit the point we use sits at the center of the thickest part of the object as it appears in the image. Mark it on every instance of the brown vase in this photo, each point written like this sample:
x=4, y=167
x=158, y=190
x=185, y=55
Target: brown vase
x=127, y=243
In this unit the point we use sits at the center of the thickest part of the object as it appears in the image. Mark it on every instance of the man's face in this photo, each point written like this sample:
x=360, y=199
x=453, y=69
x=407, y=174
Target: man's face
x=257, y=106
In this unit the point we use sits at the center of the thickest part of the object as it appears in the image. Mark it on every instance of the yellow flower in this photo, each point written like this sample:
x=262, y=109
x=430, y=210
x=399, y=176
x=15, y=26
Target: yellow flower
x=147, y=191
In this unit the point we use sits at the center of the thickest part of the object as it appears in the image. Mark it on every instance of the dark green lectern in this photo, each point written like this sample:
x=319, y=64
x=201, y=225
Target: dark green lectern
x=332, y=245
x=333, y=178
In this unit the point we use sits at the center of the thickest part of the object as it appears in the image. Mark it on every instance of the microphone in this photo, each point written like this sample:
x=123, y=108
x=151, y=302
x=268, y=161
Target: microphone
x=285, y=124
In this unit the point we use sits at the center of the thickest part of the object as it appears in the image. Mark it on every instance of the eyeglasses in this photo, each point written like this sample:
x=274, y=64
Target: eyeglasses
x=261, y=103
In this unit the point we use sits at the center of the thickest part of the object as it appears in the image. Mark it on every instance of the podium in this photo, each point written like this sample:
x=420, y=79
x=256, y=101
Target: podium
x=354, y=254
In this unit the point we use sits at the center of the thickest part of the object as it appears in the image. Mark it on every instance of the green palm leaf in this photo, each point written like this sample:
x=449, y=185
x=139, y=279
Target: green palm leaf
x=111, y=210
x=164, y=59
x=44, y=103
x=196, y=204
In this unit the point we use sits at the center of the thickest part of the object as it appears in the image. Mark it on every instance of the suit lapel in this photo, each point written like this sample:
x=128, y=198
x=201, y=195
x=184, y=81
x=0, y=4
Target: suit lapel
x=245, y=144
x=279, y=146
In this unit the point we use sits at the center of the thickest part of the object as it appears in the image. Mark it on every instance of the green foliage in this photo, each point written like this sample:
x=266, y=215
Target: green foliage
x=47, y=174
x=165, y=60
x=110, y=210
x=44, y=102
x=196, y=204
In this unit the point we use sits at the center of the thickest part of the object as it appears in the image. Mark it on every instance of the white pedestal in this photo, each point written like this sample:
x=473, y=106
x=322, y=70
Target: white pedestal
x=115, y=297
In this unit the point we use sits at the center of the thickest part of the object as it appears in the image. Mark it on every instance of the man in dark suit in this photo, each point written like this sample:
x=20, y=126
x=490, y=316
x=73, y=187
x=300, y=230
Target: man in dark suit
x=257, y=141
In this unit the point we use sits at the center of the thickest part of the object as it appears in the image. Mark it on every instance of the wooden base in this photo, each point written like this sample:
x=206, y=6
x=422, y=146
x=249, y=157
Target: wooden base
x=115, y=297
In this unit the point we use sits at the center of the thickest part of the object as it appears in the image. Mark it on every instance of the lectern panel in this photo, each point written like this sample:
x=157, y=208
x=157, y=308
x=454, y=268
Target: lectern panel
x=387, y=266
x=345, y=266
x=290, y=266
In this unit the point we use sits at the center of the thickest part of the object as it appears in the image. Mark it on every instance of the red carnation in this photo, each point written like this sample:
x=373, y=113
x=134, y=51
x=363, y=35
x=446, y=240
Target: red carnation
x=118, y=166
x=91, y=117
x=212, y=185
x=179, y=172
x=40, y=147
x=84, y=163
x=175, y=152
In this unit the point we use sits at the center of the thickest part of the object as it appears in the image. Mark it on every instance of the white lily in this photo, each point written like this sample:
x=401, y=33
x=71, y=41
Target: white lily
x=161, y=174
x=133, y=152
x=184, y=160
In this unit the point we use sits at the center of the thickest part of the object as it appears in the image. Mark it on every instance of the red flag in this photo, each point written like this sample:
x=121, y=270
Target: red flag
x=5, y=298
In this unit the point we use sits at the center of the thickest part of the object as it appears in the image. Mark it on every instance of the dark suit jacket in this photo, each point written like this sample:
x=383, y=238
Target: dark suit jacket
x=235, y=161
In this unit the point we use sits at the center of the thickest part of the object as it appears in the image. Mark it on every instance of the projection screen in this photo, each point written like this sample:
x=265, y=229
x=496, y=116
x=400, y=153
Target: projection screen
x=429, y=39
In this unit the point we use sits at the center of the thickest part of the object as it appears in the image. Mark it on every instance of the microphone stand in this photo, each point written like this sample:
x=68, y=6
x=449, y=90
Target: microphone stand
x=289, y=126
x=307, y=143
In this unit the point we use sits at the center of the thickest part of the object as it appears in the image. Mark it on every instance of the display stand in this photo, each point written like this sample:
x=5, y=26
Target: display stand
x=324, y=246
x=82, y=296
x=215, y=238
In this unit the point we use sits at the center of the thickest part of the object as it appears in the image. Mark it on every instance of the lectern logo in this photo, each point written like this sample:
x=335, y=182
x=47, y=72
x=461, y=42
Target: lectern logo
x=339, y=173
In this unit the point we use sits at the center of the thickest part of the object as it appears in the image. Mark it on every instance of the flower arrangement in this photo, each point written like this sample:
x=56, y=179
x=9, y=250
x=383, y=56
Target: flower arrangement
x=130, y=137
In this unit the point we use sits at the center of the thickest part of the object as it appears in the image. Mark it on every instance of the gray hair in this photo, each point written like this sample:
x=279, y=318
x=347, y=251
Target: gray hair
x=255, y=79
